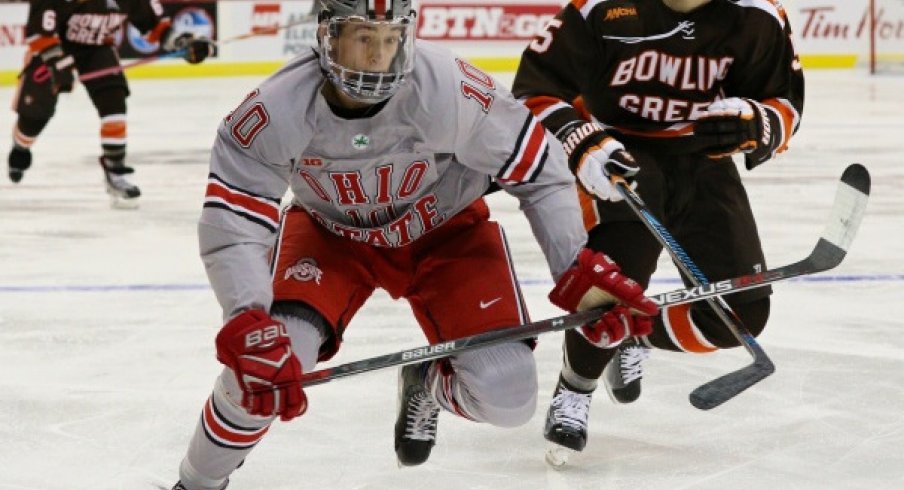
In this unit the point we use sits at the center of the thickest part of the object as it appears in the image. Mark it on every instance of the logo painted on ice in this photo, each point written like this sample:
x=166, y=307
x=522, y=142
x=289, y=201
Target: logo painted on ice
x=304, y=270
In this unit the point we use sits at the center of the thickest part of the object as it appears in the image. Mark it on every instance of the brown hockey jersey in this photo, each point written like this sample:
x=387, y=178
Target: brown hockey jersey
x=75, y=23
x=645, y=72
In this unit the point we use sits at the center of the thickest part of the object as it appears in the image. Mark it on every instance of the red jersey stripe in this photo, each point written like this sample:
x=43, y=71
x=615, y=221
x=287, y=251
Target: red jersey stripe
x=530, y=151
x=228, y=434
x=264, y=209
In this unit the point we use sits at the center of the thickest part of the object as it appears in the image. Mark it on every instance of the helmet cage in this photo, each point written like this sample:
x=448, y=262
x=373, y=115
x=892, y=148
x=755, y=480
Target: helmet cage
x=367, y=86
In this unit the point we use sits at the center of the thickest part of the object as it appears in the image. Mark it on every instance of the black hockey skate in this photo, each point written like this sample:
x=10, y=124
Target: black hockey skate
x=623, y=373
x=19, y=160
x=415, y=428
x=123, y=193
x=566, y=419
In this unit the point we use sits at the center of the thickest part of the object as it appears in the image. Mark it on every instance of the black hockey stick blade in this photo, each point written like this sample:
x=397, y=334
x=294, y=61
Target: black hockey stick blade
x=728, y=386
x=844, y=222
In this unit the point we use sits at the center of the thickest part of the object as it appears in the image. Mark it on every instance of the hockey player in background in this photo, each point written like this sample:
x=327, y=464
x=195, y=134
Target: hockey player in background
x=63, y=36
x=387, y=147
x=668, y=90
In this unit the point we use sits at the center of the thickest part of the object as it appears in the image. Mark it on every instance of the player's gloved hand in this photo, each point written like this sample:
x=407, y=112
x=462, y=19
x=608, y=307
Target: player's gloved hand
x=595, y=157
x=60, y=65
x=733, y=125
x=596, y=280
x=197, y=49
x=256, y=347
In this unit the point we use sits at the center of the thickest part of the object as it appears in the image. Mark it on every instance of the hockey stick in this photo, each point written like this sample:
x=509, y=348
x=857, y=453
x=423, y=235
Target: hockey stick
x=847, y=212
x=178, y=53
x=829, y=251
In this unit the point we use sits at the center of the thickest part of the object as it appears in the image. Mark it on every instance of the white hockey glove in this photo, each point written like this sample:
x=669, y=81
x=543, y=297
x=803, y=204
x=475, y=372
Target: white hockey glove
x=733, y=125
x=594, y=157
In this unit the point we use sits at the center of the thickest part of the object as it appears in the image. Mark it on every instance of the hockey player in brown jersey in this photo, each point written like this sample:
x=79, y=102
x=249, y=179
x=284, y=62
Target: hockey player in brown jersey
x=65, y=35
x=663, y=92
x=388, y=147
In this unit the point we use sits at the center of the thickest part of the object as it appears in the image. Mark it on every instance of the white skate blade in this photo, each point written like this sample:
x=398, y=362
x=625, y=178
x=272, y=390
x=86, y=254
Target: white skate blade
x=557, y=456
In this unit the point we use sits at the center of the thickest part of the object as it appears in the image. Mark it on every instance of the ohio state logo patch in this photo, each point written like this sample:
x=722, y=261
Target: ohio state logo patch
x=304, y=270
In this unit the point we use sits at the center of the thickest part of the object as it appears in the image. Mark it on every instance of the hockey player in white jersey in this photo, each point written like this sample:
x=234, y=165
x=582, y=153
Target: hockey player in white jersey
x=388, y=148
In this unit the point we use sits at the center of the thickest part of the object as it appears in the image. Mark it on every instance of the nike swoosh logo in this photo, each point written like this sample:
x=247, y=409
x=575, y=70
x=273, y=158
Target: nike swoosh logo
x=488, y=304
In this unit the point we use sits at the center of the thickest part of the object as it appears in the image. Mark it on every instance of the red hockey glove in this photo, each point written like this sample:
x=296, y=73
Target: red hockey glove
x=257, y=348
x=594, y=157
x=60, y=65
x=615, y=326
x=596, y=280
x=733, y=125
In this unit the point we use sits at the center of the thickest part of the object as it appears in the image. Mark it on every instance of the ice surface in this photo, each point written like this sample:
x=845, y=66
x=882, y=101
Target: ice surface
x=107, y=327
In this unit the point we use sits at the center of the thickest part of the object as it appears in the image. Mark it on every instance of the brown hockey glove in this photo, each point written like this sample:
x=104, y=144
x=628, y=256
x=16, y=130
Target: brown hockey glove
x=60, y=65
x=196, y=49
x=733, y=125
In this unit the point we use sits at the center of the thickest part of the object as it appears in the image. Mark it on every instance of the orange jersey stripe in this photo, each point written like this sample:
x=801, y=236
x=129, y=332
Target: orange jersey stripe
x=682, y=329
x=42, y=43
x=581, y=107
x=787, y=121
x=113, y=129
x=540, y=103
x=156, y=33
x=588, y=209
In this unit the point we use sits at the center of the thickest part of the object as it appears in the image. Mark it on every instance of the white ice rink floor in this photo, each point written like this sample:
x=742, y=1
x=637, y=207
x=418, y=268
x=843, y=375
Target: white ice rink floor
x=107, y=327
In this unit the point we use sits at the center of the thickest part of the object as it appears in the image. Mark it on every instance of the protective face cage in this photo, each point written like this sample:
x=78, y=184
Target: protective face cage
x=367, y=86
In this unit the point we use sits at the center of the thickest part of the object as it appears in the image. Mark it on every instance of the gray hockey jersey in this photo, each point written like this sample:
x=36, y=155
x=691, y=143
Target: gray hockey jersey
x=387, y=179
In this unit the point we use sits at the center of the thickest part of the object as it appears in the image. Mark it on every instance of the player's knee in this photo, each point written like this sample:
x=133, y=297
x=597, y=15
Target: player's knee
x=753, y=315
x=501, y=383
x=110, y=100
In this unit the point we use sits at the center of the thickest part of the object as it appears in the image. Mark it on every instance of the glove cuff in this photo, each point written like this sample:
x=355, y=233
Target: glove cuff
x=54, y=55
x=581, y=135
x=584, y=136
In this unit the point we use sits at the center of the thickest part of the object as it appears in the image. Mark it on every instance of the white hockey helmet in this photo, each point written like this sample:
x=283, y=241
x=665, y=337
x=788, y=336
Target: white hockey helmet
x=367, y=46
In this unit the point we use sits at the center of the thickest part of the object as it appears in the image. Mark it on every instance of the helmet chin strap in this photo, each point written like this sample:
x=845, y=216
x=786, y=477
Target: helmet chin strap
x=337, y=97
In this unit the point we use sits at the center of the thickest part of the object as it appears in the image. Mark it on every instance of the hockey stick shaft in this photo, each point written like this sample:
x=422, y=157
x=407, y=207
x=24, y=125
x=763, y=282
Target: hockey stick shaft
x=762, y=365
x=178, y=53
x=451, y=347
x=829, y=251
x=810, y=265
x=844, y=221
